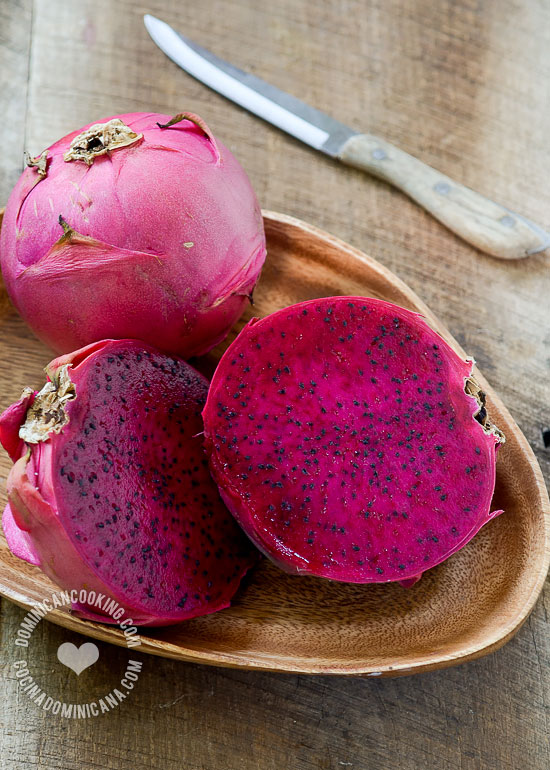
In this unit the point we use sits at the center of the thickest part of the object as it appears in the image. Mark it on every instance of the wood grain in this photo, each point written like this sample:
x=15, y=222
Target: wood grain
x=481, y=222
x=15, y=39
x=466, y=607
x=465, y=86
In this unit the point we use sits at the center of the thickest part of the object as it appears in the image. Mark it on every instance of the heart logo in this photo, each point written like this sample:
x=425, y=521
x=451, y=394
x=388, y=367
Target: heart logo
x=77, y=658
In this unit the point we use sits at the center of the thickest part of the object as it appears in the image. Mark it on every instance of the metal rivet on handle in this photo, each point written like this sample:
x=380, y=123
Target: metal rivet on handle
x=379, y=154
x=443, y=188
x=507, y=221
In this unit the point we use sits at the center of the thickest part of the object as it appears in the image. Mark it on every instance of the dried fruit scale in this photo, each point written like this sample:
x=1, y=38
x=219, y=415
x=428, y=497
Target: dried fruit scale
x=461, y=610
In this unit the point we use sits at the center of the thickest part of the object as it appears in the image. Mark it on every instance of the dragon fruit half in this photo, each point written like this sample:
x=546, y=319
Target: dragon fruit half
x=139, y=226
x=110, y=490
x=350, y=441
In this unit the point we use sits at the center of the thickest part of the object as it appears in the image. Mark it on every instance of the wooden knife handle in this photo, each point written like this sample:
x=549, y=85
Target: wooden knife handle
x=478, y=220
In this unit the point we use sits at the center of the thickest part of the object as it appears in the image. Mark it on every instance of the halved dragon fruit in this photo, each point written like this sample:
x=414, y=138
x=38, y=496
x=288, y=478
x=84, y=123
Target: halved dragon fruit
x=350, y=441
x=110, y=490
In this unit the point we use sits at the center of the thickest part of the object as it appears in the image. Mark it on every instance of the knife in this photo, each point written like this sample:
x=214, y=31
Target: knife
x=490, y=227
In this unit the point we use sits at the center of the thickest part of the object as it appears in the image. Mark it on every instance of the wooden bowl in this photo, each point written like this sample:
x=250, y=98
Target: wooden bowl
x=464, y=608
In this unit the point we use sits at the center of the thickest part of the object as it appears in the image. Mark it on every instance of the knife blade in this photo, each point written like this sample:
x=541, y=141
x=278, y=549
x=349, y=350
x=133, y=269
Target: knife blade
x=488, y=226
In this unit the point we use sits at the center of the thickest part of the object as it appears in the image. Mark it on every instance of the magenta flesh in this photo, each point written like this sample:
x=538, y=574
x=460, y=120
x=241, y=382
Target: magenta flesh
x=120, y=501
x=343, y=441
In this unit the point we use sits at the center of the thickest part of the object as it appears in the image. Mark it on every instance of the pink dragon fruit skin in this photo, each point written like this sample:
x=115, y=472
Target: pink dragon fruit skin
x=350, y=441
x=160, y=239
x=110, y=490
x=19, y=542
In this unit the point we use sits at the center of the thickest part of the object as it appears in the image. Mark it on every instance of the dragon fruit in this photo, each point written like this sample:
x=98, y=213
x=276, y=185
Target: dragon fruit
x=139, y=226
x=110, y=490
x=350, y=441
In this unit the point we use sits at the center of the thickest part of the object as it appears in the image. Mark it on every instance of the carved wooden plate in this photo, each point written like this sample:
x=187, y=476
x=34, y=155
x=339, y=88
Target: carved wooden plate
x=464, y=608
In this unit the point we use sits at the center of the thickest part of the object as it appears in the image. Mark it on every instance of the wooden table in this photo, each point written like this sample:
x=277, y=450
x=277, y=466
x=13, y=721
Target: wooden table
x=465, y=86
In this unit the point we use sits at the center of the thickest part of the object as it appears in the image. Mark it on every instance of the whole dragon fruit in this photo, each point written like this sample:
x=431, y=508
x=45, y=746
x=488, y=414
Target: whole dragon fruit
x=110, y=490
x=350, y=441
x=138, y=226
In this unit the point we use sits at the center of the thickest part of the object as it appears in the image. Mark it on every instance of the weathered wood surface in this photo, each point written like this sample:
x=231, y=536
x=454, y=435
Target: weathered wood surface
x=463, y=85
x=467, y=606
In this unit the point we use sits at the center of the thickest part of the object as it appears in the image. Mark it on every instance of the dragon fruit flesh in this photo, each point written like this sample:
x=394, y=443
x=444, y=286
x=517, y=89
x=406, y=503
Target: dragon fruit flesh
x=110, y=490
x=138, y=226
x=350, y=441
